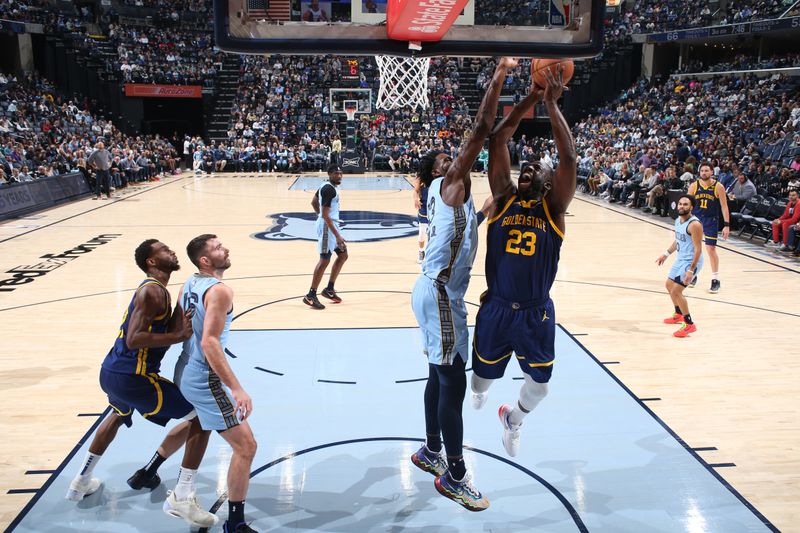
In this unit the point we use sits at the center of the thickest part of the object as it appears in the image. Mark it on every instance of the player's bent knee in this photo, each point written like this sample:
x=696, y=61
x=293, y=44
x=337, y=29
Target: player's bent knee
x=533, y=392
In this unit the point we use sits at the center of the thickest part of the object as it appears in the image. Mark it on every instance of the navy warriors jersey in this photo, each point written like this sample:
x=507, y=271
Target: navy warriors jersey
x=124, y=360
x=685, y=242
x=523, y=248
x=707, y=205
x=193, y=298
x=452, y=242
x=422, y=214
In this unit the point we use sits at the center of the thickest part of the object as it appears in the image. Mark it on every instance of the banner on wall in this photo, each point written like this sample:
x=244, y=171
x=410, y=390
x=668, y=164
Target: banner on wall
x=163, y=91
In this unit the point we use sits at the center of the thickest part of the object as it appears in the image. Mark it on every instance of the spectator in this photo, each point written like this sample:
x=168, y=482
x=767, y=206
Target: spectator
x=740, y=192
x=780, y=226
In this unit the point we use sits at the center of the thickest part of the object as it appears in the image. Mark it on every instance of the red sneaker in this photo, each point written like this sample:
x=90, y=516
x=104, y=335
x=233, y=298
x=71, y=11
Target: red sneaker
x=685, y=330
x=676, y=318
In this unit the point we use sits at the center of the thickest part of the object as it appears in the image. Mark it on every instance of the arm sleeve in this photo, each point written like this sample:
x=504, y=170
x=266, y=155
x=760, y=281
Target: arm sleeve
x=328, y=193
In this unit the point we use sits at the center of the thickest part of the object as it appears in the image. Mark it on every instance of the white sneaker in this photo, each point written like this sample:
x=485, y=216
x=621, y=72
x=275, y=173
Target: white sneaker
x=79, y=489
x=479, y=399
x=510, y=433
x=189, y=510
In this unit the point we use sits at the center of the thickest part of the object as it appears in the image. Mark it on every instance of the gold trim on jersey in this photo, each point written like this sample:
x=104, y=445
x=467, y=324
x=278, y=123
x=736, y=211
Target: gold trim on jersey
x=141, y=357
x=168, y=308
x=550, y=219
x=502, y=211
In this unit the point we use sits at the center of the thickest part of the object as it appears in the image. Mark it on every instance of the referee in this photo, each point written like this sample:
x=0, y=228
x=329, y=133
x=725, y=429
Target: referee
x=100, y=160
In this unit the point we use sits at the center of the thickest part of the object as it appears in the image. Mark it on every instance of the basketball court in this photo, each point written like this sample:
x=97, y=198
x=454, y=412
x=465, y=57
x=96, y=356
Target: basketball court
x=641, y=431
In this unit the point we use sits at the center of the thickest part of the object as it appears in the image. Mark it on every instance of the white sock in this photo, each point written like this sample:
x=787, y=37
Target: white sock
x=530, y=394
x=715, y=275
x=88, y=465
x=185, y=486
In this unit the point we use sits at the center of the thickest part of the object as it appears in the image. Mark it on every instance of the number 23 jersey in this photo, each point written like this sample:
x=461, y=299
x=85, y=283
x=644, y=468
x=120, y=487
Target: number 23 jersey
x=523, y=248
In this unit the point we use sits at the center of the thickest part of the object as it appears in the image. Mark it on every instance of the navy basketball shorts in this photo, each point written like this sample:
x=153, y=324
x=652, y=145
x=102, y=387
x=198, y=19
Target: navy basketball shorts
x=710, y=230
x=525, y=330
x=156, y=398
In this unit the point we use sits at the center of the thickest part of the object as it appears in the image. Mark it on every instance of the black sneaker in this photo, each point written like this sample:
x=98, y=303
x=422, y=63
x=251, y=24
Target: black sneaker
x=693, y=283
x=243, y=527
x=141, y=480
x=714, y=286
x=331, y=295
x=312, y=301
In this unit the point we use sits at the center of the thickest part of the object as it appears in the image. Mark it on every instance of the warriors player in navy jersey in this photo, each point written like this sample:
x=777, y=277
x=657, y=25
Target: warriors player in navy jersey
x=710, y=198
x=421, y=203
x=130, y=377
x=516, y=317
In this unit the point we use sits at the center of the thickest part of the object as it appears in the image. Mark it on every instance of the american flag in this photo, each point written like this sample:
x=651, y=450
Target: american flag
x=257, y=8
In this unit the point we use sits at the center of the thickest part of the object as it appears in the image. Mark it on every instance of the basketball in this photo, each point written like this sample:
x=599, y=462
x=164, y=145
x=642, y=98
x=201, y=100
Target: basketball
x=539, y=65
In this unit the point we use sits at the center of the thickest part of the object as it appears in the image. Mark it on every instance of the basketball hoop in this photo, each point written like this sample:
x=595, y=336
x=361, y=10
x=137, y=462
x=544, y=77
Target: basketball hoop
x=404, y=82
x=351, y=113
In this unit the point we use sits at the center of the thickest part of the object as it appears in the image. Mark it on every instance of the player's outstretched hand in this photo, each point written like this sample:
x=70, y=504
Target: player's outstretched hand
x=661, y=259
x=244, y=404
x=555, y=83
x=508, y=63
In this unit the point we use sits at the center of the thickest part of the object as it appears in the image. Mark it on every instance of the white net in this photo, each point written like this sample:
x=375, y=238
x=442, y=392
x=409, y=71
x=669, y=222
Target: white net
x=404, y=82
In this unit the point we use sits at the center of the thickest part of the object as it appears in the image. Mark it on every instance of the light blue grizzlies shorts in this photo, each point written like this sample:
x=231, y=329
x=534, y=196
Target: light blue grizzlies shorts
x=326, y=240
x=442, y=322
x=679, y=268
x=211, y=399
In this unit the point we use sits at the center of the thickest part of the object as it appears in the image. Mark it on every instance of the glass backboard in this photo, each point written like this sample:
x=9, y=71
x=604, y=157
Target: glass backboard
x=519, y=28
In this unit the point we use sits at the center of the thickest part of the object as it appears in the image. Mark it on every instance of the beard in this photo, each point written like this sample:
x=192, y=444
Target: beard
x=534, y=190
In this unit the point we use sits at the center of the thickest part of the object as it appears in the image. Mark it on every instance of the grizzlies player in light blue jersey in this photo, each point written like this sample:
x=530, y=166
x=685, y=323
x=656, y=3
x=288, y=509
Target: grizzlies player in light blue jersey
x=329, y=238
x=130, y=377
x=204, y=375
x=689, y=244
x=438, y=302
x=523, y=247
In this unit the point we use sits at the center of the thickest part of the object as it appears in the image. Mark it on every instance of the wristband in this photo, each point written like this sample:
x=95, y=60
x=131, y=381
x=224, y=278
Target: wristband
x=726, y=224
x=690, y=270
x=667, y=253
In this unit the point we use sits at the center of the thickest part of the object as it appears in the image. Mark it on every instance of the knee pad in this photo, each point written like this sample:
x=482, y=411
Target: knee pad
x=423, y=232
x=532, y=393
x=479, y=384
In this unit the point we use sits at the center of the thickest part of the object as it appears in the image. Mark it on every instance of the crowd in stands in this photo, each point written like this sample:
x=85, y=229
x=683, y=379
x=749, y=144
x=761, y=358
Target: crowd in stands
x=665, y=15
x=163, y=55
x=282, y=111
x=655, y=135
x=70, y=19
x=744, y=62
x=43, y=135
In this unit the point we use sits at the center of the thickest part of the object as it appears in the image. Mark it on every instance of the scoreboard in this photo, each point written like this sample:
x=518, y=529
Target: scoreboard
x=351, y=69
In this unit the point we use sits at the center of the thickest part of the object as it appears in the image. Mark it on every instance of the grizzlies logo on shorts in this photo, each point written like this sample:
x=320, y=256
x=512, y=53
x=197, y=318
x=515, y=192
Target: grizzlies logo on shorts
x=212, y=400
x=507, y=329
x=442, y=322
